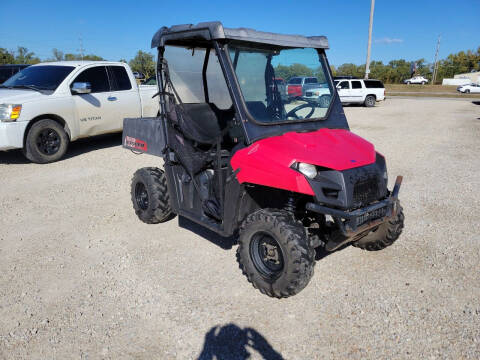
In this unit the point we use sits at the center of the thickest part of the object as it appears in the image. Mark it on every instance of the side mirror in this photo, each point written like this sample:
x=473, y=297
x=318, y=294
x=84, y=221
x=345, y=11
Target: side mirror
x=79, y=88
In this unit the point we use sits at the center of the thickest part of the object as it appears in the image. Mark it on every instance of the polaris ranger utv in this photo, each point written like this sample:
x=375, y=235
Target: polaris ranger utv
x=286, y=178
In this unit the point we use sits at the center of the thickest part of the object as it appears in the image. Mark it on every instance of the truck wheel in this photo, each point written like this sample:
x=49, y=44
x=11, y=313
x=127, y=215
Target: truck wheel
x=324, y=101
x=408, y=82
x=150, y=197
x=275, y=253
x=423, y=82
x=46, y=142
x=467, y=91
x=370, y=101
x=385, y=235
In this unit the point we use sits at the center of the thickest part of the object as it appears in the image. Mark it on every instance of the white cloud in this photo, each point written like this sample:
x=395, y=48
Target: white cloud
x=387, y=40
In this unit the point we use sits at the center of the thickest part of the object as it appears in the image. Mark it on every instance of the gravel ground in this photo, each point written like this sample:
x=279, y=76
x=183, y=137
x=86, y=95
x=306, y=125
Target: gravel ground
x=82, y=277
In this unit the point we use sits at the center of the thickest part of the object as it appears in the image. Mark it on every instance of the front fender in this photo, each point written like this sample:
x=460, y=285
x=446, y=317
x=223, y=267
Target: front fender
x=257, y=168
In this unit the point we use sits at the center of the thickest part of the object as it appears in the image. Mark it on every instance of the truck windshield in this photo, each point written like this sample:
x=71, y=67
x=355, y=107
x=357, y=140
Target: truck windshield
x=42, y=77
x=306, y=96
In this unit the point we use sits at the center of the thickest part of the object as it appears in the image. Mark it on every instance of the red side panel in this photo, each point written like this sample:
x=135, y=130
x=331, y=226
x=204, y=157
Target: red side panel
x=267, y=162
x=294, y=90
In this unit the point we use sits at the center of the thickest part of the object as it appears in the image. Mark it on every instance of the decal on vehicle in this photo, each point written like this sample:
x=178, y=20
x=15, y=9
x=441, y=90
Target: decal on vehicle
x=135, y=143
x=91, y=118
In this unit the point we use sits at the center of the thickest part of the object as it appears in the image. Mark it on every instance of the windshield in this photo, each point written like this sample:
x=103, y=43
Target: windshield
x=43, y=77
x=307, y=94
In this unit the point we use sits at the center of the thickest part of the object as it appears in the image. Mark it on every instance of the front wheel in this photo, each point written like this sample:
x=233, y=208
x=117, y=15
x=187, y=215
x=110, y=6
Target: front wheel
x=275, y=253
x=46, y=142
x=385, y=235
x=150, y=197
x=370, y=101
x=324, y=101
x=467, y=91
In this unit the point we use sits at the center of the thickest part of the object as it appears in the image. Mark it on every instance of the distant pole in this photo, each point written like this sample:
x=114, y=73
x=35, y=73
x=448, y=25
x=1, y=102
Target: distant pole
x=369, y=47
x=81, y=47
x=435, y=64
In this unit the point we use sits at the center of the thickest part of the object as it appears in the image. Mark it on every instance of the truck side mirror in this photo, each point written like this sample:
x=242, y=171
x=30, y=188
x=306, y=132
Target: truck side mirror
x=79, y=88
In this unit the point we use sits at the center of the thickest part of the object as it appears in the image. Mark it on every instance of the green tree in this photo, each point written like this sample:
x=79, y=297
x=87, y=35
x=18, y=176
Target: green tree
x=351, y=69
x=6, y=57
x=23, y=56
x=143, y=62
x=78, y=57
x=287, y=72
x=57, y=55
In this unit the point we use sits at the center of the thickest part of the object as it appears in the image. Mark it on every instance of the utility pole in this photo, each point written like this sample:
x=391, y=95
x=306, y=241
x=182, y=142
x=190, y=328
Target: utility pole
x=435, y=64
x=81, y=47
x=369, y=47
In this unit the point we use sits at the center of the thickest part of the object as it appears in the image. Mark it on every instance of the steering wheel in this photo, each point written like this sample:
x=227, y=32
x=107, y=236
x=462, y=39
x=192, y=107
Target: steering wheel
x=292, y=113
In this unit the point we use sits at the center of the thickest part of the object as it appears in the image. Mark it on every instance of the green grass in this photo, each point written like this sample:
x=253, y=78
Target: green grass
x=425, y=91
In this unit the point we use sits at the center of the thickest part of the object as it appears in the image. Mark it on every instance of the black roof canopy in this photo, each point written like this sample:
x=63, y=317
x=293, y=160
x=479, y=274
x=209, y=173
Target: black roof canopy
x=214, y=30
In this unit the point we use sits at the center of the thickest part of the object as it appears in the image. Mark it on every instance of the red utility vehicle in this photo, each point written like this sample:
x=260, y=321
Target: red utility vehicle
x=285, y=178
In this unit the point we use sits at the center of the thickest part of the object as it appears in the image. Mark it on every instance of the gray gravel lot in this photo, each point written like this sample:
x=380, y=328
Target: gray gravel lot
x=82, y=277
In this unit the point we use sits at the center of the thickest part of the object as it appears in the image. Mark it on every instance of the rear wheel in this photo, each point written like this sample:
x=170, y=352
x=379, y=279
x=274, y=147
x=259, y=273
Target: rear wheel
x=408, y=82
x=46, y=142
x=385, y=235
x=370, y=101
x=150, y=197
x=423, y=82
x=275, y=253
x=467, y=91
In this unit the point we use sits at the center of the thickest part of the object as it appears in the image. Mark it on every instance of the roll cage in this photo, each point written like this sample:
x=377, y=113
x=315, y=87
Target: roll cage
x=212, y=35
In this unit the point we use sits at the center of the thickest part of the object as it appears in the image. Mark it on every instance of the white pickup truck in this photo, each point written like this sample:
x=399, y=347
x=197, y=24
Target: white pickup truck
x=45, y=106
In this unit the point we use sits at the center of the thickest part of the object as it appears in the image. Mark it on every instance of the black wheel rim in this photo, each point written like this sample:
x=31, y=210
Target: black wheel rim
x=267, y=255
x=48, y=141
x=141, y=196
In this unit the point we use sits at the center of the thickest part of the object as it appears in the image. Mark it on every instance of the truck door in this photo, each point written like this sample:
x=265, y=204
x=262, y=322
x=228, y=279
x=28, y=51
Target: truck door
x=343, y=89
x=94, y=110
x=123, y=97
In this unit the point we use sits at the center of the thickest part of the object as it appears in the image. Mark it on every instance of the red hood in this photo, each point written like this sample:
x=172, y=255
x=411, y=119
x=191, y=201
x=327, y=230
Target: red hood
x=267, y=161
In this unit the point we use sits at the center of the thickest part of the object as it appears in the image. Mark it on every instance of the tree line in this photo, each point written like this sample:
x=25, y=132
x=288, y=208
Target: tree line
x=142, y=62
x=395, y=71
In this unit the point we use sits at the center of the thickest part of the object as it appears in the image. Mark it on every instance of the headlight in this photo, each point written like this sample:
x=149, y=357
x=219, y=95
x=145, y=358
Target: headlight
x=308, y=170
x=9, y=112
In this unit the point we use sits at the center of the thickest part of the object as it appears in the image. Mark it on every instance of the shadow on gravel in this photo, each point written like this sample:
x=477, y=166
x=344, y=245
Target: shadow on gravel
x=476, y=102
x=231, y=342
x=225, y=243
x=321, y=253
x=76, y=148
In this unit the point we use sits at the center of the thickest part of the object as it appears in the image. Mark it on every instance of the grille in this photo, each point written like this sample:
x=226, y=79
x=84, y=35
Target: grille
x=365, y=191
x=308, y=93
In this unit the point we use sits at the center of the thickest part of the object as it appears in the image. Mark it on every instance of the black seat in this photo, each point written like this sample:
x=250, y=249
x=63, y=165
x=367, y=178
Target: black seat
x=207, y=122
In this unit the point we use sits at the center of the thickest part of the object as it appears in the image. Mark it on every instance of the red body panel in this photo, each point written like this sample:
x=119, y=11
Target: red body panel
x=267, y=162
x=294, y=90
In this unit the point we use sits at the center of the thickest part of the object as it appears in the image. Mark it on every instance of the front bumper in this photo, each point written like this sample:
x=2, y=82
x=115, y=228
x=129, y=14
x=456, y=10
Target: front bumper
x=356, y=222
x=11, y=134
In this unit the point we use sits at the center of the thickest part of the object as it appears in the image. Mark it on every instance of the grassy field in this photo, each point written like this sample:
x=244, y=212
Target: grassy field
x=425, y=90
